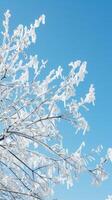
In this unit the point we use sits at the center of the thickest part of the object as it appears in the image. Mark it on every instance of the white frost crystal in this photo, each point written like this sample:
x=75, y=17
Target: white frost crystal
x=109, y=153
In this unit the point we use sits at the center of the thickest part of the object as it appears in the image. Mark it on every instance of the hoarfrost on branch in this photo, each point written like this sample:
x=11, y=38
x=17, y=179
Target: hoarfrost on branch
x=32, y=157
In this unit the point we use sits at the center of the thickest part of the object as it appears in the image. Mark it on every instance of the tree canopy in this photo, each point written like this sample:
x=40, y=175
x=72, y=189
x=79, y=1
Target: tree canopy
x=32, y=156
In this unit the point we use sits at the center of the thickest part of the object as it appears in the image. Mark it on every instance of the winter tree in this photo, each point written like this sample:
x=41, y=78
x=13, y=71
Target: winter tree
x=32, y=157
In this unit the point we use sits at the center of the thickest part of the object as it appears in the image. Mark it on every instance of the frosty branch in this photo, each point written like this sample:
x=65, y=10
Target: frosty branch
x=32, y=157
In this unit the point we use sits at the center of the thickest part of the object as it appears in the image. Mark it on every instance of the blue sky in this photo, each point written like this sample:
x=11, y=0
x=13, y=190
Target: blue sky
x=76, y=29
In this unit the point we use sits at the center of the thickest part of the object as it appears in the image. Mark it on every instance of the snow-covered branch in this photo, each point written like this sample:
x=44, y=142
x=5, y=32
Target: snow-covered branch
x=32, y=157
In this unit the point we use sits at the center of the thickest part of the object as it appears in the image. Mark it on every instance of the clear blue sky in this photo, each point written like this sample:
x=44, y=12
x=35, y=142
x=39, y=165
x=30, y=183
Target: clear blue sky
x=76, y=29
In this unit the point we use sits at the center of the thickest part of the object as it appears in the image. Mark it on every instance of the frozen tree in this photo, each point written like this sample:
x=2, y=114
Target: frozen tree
x=32, y=157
